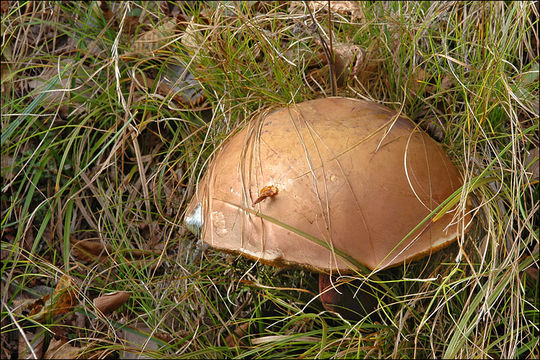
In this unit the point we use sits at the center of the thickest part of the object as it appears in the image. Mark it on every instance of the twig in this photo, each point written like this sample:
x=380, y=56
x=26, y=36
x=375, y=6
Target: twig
x=332, y=72
x=327, y=52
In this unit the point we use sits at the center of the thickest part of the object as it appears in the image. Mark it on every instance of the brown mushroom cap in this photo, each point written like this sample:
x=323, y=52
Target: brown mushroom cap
x=348, y=172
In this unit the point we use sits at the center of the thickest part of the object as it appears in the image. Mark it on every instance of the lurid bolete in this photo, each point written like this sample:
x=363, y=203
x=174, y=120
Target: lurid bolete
x=335, y=185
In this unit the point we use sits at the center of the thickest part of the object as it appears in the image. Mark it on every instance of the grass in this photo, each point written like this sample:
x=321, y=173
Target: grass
x=94, y=149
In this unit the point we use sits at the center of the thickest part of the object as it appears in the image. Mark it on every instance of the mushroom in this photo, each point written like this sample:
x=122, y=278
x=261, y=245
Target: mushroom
x=335, y=185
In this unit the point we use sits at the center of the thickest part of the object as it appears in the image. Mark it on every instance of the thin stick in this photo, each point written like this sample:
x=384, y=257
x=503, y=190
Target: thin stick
x=332, y=66
x=327, y=51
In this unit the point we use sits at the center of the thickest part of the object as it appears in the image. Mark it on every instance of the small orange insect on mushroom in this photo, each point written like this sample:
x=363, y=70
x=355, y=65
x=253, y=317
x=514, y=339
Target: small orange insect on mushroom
x=266, y=191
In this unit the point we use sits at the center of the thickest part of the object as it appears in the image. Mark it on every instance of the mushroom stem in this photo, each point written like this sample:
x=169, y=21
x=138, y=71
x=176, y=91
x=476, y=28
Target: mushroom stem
x=352, y=300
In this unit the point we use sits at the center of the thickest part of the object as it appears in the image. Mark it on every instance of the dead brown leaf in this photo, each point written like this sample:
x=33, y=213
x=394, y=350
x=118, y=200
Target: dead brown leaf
x=155, y=38
x=235, y=339
x=109, y=302
x=186, y=90
x=63, y=300
x=347, y=8
x=420, y=78
x=182, y=84
x=190, y=37
x=60, y=349
x=31, y=345
x=36, y=307
x=61, y=74
x=89, y=250
x=349, y=59
x=64, y=296
x=138, y=340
